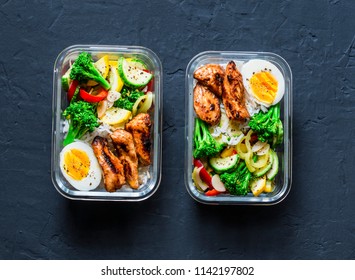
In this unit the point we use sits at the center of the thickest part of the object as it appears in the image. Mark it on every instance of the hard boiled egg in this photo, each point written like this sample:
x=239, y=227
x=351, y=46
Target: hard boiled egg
x=263, y=81
x=80, y=166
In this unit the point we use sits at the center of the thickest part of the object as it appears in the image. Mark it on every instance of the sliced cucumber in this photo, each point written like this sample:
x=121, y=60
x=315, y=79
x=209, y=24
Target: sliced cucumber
x=135, y=62
x=131, y=75
x=226, y=164
x=275, y=167
x=262, y=171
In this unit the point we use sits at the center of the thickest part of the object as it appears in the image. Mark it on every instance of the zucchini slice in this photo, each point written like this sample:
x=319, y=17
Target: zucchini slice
x=135, y=62
x=131, y=75
x=226, y=164
x=275, y=167
x=262, y=171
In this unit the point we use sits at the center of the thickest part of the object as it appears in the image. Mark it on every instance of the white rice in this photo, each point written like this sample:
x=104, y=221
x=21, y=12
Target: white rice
x=103, y=130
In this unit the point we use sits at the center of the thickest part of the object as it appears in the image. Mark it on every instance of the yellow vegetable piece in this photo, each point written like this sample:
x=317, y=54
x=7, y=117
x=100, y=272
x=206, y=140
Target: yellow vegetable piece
x=248, y=159
x=115, y=116
x=258, y=186
x=146, y=104
x=242, y=150
x=115, y=79
x=101, y=108
x=113, y=63
x=103, y=67
x=269, y=187
x=261, y=162
x=136, y=104
x=227, y=152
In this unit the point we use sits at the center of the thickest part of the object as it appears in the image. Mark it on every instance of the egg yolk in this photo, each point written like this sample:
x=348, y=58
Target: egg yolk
x=76, y=164
x=264, y=86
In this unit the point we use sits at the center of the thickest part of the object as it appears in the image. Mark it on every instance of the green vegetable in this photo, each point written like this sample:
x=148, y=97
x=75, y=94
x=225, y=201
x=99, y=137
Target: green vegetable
x=237, y=182
x=66, y=80
x=82, y=119
x=205, y=144
x=271, y=174
x=131, y=75
x=128, y=99
x=83, y=70
x=268, y=126
x=226, y=164
x=76, y=94
x=262, y=171
x=278, y=137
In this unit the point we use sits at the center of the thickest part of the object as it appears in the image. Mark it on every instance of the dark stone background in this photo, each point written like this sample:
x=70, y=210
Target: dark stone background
x=316, y=220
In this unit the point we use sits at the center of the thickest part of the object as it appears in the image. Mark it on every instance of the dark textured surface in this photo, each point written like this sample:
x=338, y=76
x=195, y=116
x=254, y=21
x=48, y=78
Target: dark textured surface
x=316, y=220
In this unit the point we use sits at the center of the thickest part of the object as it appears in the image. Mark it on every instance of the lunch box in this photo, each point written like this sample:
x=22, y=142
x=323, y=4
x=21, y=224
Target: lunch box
x=284, y=151
x=60, y=102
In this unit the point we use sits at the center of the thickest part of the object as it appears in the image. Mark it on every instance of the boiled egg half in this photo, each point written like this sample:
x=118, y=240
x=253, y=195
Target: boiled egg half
x=263, y=81
x=80, y=166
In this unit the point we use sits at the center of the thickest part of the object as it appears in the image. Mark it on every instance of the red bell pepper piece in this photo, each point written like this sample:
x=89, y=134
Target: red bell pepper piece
x=212, y=192
x=204, y=175
x=73, y=85
x=93, y=98
x=151, y=82
x=198, y=163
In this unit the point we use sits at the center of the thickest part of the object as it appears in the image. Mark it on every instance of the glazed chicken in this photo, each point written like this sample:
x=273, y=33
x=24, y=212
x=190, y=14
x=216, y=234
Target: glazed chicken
x=112, y=167
x=206, y=105
x=211, y=76
x=233, y=96
x=123, y=142
x=139, y=126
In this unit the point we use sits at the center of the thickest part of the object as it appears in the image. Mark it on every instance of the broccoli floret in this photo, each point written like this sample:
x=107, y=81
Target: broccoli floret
x=268, y=126
x=82, y=118
x=83, y=70
x=237, y=182
x=128, y=99
x=205, y=144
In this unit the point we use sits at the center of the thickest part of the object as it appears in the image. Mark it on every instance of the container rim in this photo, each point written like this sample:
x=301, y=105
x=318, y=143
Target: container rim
x=157, y=118
x=287, y=145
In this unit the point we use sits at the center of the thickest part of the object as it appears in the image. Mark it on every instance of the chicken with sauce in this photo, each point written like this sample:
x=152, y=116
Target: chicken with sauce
x=233, y=96
x=206, y=105
x=111, y=166
x=123, y=142
x=140, y=126
x=211, y=76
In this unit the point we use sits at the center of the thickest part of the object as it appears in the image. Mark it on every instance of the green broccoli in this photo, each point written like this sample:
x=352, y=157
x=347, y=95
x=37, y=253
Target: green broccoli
x=237, y=182
x=268, y=126
x=205, y=144
x=82, y=118
x=128, y=99
x=83, y=70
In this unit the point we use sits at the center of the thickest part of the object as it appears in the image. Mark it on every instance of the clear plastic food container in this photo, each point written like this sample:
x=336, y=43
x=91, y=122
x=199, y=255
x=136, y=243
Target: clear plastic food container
x=60, y=102
x=284, y=151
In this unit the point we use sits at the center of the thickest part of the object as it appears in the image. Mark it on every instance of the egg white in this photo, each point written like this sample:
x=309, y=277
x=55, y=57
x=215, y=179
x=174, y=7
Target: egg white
x=93, y=179
x=258, y=65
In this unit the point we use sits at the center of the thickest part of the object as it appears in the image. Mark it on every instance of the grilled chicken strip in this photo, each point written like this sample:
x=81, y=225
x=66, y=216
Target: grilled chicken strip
x=211, y=76
x=123, y=141
x=139, y=126
x=233, y=96
x=206, y=105
x=110, y=164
